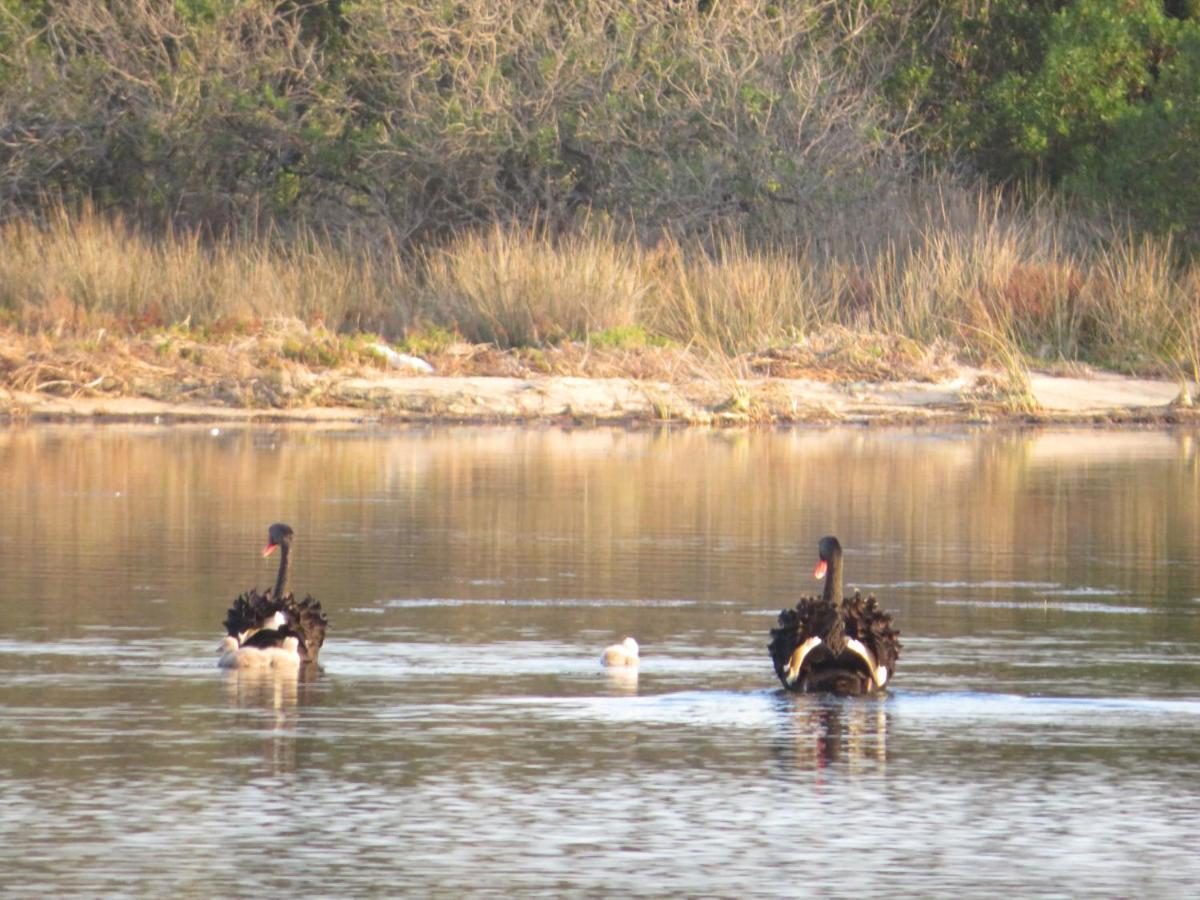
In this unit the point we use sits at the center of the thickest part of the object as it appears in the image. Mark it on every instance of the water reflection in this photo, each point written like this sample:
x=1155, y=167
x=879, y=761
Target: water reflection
x=160, y=518
x=276, y=691
x=273, y=698
x=820, y=731
x=1045, y=584
x=621, y=680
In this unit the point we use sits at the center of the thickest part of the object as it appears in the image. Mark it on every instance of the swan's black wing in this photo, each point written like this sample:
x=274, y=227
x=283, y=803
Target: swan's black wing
x=871, y=624
x=811, y=617
x=248, y=613
x=308, y=622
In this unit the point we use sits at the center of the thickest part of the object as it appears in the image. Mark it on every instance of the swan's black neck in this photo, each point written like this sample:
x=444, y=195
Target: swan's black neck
x=835, y=635
x=281, y=580
x=833, y=577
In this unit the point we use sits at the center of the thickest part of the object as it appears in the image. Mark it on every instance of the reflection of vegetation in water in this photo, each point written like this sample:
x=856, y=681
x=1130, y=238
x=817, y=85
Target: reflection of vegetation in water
x=164, y=525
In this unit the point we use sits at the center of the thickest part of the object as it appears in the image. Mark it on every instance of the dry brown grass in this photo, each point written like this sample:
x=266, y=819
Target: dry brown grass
x=841, y=354
x=81, y=270
x=981, y=282
x=734, y=299
x=521, y=287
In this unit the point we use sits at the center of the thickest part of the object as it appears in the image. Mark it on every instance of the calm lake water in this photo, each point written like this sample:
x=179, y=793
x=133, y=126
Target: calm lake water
x=1040, y=737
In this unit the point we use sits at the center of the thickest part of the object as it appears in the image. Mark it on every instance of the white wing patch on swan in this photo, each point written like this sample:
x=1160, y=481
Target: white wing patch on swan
x=797, y=660
x=878, y=673
x=274, y=623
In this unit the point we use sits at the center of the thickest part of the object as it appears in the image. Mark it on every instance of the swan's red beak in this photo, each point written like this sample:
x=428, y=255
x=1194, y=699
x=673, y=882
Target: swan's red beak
x=819, y=571
x=269, y=549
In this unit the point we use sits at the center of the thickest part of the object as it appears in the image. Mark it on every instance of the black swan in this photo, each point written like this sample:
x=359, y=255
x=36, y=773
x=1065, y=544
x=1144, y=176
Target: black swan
x=622, y=654
x=847, y=646
x=273, y=628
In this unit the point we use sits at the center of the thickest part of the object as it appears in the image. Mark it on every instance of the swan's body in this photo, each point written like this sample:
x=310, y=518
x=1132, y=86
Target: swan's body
x=285, y=655
x=274, y=620
x=622, y=654
x=828, y=643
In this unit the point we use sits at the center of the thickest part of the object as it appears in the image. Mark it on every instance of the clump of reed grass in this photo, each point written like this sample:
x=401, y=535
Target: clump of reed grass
x=733, y=299
x=522, y=287
x=1187, y=323
x=80, y=269
x=1135, y=305
x=1007, y=287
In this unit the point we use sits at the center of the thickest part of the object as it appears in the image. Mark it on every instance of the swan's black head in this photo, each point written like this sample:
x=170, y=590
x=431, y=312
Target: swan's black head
x=278, y=535
x=827, y=551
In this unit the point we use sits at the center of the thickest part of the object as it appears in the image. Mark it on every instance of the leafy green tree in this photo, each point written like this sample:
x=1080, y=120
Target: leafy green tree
x=1096, y=96
x=1150, y=165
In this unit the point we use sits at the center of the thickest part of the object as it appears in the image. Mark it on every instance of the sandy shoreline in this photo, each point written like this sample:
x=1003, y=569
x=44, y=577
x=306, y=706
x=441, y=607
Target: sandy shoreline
x=385, y=397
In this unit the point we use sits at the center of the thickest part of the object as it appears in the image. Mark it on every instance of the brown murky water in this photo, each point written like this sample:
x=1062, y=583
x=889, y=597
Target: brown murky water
x=1040, y=737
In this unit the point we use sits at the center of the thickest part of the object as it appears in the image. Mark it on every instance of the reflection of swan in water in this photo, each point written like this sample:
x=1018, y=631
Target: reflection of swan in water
x=271, y=690
x=274, y=623
x=281, y=690
x=824, y=731
x=622, y=679
x=622, y=654
x=830, y=643
x=268, y=702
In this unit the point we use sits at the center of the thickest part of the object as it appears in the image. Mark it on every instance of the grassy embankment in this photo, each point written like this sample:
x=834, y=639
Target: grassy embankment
x=91, y=306
x=720, y=192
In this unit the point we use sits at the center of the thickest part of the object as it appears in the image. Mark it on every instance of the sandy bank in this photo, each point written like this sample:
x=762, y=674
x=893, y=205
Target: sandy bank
x=970, y=395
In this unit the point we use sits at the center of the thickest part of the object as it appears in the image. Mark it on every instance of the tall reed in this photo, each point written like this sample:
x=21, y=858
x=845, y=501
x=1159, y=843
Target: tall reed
x=519, y=286
x=998, y=285
x=82, y=267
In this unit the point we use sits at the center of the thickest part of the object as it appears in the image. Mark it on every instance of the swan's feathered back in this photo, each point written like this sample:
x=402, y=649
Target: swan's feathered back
x=867, y=621
x=282, y=656
x=256, y=619
x=818, y=645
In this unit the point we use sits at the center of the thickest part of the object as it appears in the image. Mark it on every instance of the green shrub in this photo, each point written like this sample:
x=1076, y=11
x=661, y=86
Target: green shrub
x=1097, y=97
x=426, y=117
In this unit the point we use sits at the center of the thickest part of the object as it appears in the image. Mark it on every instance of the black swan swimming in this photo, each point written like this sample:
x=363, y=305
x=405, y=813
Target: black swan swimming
x=273, y=628
x=830, y=643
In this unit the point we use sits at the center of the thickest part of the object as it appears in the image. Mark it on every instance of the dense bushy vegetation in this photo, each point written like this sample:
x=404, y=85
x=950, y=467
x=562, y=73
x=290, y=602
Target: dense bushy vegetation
x=427, y=115
x=430, y=115
x=796, y=163
x=1100, y=98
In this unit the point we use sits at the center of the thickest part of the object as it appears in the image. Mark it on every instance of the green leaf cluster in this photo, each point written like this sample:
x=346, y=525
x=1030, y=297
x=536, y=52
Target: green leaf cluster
x=425, y=116
x=1097, y=97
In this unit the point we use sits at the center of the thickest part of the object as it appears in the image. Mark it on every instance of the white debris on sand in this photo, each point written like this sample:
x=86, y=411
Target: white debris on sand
x=398, y=360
